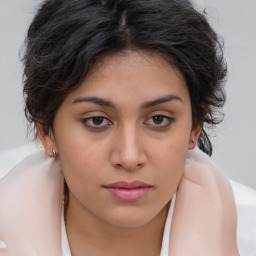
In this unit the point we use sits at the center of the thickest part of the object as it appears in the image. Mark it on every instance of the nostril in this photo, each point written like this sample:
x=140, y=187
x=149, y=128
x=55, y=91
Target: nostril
x=2, y=245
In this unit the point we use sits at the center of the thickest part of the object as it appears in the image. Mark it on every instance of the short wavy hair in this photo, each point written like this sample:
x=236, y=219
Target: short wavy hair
x=67, y=37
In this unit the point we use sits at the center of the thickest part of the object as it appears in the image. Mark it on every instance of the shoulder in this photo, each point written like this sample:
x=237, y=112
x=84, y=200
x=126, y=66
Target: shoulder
x=205, y=214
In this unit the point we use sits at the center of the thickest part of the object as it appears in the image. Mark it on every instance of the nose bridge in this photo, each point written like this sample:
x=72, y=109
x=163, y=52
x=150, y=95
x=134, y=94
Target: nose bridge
x=129, y=151
x=130, y=141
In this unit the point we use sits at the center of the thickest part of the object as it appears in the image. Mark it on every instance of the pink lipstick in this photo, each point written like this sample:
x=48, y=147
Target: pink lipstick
x=128, y=191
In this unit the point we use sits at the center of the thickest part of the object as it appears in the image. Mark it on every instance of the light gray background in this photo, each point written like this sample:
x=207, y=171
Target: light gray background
x=234, y=144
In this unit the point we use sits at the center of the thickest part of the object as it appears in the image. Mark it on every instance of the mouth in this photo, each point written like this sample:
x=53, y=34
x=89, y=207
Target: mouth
x=128, y=191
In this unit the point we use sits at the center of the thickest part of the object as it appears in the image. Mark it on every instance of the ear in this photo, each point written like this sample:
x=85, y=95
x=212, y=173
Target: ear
x=194, y=135
x=47, y=139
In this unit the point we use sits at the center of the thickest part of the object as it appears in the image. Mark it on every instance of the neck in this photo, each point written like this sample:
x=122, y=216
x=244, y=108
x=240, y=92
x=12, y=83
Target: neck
x=87, y=233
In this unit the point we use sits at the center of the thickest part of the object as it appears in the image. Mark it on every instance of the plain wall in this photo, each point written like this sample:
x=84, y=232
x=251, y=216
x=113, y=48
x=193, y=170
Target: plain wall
x=235, y=138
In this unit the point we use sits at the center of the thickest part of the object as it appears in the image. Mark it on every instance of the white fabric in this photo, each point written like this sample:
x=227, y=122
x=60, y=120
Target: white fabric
x=167, y=228
x=64, y=239
x=245, y=199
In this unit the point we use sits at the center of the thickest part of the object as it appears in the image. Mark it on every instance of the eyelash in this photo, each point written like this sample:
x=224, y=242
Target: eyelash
x=92, y=118
x=168, y=120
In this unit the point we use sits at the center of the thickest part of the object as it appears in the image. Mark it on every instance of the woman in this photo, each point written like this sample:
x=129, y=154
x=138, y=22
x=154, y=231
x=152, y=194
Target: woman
x=119, y=93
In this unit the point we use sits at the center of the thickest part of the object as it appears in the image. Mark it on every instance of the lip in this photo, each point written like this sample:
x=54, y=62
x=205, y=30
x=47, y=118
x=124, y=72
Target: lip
x=128, y=191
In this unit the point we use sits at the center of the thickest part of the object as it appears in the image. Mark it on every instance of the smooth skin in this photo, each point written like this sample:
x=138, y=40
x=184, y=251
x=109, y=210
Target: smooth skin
x=129, y=120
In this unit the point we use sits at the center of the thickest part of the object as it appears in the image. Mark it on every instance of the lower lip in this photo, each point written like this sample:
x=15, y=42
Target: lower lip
x=128, y=195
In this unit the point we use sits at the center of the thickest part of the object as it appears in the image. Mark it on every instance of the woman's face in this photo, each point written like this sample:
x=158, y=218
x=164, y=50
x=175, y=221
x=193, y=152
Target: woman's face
x=122, y=139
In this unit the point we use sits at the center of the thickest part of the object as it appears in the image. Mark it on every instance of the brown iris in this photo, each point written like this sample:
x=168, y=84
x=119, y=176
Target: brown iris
x=158, y=119
x=97, y=120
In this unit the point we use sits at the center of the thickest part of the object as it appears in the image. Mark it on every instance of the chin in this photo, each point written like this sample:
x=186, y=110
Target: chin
x=129, y=223
x=132, y=219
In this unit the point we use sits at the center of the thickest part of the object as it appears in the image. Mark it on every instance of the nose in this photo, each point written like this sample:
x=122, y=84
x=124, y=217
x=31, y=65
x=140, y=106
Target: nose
x=128, y=152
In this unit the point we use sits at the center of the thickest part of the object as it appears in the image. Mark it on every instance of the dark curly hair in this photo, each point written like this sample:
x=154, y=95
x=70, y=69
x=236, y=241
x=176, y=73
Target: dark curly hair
x=67, y=37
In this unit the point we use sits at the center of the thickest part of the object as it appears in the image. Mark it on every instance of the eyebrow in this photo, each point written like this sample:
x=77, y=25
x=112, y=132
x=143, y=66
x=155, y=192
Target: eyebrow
x=95, y=100
x=107, y=103
x=161, y=100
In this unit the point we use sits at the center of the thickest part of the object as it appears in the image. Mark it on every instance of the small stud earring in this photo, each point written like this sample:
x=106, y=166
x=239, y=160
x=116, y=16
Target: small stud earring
x=54, y=152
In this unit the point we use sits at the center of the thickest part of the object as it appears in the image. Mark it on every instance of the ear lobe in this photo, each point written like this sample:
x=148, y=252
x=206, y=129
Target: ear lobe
x=194, y=135
x=47, y=139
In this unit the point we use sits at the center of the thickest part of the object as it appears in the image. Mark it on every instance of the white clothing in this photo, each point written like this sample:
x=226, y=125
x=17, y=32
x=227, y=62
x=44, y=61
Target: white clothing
x=64, y=239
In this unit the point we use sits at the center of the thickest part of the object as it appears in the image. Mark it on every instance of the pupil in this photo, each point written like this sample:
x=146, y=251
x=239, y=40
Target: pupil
x=158, y=119
x=97, y=120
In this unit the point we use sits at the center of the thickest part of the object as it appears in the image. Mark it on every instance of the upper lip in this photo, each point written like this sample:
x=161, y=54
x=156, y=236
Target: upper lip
x=128, y=185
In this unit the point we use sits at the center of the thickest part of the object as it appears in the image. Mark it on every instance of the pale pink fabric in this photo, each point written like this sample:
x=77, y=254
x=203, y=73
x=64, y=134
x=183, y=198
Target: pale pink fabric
x=204, y=220
x=30, y=207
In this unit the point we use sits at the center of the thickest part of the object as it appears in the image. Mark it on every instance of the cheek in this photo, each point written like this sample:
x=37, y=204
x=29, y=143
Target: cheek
x=77, y=150
x=172, y=149
x=82, y=162
x=170, y=160
x=83, y=172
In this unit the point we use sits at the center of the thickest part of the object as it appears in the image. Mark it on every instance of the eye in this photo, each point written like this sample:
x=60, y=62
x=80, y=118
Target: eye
x=159, y=121
x=97, y=122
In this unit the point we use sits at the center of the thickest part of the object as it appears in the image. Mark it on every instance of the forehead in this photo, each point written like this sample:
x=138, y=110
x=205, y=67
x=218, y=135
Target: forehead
x=132, y=75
